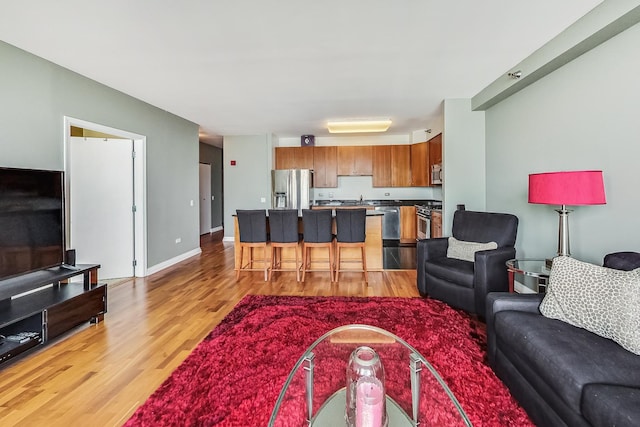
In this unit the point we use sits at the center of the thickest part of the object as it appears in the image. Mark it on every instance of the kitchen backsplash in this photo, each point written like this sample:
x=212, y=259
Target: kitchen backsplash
x=352, y=187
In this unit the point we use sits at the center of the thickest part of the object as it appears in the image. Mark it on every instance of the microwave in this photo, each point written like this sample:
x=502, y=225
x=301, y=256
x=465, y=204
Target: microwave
x=436, y=173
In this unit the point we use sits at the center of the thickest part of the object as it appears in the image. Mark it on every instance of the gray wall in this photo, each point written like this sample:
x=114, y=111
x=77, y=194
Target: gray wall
x=213, y=156
x=584, y=115
x=463, y=157
x=37, y=94
x=246, y=183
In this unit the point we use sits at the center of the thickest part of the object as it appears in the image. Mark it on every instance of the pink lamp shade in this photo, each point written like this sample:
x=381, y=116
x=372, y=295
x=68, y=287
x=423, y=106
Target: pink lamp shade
x=567, y=188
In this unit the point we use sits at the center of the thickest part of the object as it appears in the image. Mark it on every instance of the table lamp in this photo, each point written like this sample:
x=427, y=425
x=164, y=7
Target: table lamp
x=572, y=188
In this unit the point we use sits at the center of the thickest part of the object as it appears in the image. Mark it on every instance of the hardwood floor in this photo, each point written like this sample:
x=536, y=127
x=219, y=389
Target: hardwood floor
x=99, y=374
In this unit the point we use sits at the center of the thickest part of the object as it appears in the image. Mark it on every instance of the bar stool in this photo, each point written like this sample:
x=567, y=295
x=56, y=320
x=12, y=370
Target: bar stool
x=316, y=226
x=283, y=233
x=252, y=227
x=351, y=225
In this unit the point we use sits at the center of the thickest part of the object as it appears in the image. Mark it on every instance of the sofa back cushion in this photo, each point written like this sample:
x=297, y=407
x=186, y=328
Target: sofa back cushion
x=599, y=299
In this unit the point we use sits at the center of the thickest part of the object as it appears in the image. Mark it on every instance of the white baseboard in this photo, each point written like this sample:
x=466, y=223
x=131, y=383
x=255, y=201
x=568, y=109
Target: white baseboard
x=218, y=228
x=168, y=263
x=228, y=239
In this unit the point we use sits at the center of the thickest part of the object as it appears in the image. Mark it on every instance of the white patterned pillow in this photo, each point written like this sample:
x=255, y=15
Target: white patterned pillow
x=599, y=299
x=466, y=251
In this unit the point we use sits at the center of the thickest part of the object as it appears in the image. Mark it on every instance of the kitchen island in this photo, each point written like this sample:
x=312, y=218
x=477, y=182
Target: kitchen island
x=373, y=245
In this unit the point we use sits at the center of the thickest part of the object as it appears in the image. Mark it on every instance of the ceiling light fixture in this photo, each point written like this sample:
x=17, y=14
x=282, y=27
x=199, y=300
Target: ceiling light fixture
x=357, y=126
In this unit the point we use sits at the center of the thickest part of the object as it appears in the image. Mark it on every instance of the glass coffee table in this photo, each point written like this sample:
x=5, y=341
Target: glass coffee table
x=314, y=393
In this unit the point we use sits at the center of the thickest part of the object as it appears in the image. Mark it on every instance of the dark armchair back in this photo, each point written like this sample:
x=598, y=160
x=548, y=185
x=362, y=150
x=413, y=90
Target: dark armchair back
x=484, y=227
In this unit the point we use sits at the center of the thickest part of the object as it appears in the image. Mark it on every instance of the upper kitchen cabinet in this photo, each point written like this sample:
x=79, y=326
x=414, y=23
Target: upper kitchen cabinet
x=401, y=166
x=325, y=160
x=423, y=156
x=435, y=149
x=355, y=160
x=294, y=157
x=420, y=169
x=391, y=166
x=381, y=165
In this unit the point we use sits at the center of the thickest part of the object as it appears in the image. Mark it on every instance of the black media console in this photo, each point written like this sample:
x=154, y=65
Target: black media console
x=39, y=306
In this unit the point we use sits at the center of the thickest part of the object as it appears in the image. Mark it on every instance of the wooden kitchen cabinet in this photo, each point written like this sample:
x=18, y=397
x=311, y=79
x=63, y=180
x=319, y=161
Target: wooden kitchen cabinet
x=408, y=224
x=325, y=166
x=401, y=166
x=294, y=157
x=391, y=166
x=355, y=160
x=435, y=149
x=420, y=169
x=381, y=159
x=436, y=224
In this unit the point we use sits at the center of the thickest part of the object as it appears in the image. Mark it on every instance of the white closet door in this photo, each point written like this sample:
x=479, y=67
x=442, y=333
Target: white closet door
x=101, y=197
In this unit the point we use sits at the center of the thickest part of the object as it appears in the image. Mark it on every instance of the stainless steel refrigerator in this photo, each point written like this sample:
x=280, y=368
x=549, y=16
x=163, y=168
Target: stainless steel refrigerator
x=291, y=188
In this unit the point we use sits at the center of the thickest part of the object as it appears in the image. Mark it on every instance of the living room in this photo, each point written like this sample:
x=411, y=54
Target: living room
x=580, y=116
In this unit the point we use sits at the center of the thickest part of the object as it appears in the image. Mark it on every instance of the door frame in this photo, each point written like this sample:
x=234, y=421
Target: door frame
x=206, y=201
x=139, y=185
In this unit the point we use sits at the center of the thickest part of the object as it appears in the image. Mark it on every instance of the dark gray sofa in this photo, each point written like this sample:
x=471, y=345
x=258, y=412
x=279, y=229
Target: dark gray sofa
x=562, y=375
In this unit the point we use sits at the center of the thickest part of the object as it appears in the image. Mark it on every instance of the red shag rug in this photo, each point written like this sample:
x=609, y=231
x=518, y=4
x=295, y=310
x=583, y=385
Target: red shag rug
x=234, y=376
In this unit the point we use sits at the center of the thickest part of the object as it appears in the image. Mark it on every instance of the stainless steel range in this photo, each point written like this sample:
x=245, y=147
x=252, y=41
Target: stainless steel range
x=423, y=218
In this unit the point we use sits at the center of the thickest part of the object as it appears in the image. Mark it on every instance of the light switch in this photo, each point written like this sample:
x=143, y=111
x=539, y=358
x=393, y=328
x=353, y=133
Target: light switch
x=263, y=200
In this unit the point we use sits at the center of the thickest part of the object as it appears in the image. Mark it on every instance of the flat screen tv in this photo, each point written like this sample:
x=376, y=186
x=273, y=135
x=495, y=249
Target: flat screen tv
x=31, y=220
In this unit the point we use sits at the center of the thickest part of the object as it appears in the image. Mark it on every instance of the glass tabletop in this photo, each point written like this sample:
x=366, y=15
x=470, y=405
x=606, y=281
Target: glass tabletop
x=529, y=267
x=314, y=393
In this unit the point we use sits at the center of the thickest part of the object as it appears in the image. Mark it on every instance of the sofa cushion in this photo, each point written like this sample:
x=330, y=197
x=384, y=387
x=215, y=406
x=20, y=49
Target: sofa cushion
x=466, y=251
x=610, y=405
x=451, y=269
x=602, y=300
x=552, y=354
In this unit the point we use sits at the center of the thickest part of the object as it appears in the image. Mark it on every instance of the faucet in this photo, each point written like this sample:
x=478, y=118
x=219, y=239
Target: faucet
x=361, y=198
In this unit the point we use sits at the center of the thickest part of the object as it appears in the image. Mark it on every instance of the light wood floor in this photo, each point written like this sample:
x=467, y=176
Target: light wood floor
x=99, y=374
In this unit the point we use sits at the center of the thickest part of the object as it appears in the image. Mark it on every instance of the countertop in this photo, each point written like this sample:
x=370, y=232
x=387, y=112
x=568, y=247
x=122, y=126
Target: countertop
x=370, y=212
x=366, y=203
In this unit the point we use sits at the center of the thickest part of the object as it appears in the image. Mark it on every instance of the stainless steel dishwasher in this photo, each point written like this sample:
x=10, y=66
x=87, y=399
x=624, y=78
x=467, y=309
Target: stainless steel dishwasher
x=390, y=222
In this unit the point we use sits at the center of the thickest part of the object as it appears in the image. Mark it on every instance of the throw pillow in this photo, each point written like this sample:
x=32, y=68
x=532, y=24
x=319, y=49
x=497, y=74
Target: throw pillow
x=599, y=299
x=466, y=251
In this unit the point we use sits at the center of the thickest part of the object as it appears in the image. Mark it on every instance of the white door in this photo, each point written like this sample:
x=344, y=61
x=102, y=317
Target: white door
x=101, y=199
x=205, y=198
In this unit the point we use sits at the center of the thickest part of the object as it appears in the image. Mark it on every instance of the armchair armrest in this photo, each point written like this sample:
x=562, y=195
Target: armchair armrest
x=433, y=248
x=505, y=301
x=490, y=274
x=428, y=249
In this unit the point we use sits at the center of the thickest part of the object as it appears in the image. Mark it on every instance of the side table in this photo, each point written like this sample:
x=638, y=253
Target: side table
x=528, y=275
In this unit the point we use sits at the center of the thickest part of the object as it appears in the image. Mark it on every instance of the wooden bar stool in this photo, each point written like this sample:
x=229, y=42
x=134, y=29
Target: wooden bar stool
x=351, y=226
x=252, y=227
x=283, y=233
x=317, y=233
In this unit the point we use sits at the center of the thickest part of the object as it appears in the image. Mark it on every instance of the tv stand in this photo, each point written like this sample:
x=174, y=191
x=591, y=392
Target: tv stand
x=39, y=306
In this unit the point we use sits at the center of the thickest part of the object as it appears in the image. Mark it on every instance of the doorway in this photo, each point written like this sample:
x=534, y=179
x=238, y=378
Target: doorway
x=105, y=199
x=205, y=198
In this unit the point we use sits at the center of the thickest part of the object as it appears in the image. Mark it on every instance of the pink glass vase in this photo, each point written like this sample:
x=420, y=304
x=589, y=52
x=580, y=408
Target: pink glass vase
x=366, y=398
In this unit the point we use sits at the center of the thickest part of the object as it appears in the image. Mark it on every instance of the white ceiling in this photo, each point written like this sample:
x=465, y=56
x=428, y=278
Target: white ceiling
x=241, y=67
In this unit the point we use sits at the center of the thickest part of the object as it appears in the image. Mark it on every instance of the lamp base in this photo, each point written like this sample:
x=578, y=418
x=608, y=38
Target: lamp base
x=563, y=231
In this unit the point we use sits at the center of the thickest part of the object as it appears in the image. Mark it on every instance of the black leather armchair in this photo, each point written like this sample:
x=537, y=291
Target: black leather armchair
x=465, y=284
